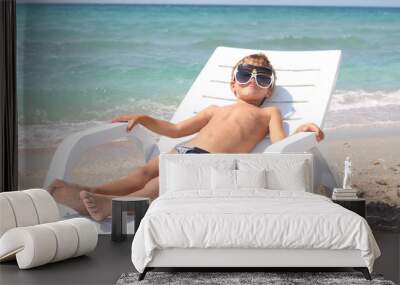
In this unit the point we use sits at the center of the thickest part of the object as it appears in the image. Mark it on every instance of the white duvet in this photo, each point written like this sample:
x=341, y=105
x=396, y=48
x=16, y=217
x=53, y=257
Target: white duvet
x=250, y=219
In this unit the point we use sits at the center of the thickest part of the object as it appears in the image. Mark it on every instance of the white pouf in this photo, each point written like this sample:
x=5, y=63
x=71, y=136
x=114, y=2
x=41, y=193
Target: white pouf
x=31, y=233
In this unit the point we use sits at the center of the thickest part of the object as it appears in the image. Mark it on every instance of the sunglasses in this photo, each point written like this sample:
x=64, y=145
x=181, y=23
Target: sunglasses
x=263, y=76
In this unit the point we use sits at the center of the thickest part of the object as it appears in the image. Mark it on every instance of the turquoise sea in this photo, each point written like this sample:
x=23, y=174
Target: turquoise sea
x=79, y=65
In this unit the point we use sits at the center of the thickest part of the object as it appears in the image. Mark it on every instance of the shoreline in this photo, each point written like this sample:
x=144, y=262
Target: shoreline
x=364, y=131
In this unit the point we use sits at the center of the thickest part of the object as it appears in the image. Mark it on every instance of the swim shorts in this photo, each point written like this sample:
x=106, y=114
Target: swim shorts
x=189, y=149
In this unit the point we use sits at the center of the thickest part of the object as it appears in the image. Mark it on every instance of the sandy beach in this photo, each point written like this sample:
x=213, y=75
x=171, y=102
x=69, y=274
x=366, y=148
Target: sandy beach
x=98, y=165
x=375, y=156
x=374, y=151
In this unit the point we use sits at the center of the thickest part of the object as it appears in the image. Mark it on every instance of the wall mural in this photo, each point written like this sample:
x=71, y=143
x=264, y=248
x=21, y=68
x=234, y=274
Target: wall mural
x=79, y=66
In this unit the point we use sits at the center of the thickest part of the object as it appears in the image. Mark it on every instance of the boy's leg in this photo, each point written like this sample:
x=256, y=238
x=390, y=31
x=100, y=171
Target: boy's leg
x=99, y=206
x=132, y=183
x=135, y=180
x=68, y=193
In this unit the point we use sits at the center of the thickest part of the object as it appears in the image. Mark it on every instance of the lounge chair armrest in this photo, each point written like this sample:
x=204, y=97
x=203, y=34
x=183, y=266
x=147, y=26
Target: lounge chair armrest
x=71, y=148
x=299, y=142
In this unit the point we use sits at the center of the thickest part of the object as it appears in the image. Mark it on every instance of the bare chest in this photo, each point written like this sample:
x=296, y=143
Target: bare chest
x=245, y=120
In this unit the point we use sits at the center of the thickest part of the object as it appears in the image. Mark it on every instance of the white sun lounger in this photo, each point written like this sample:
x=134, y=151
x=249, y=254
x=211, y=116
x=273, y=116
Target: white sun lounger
x=305, y=82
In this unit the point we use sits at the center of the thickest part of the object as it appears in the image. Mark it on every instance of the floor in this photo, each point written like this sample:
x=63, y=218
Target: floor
x=389, y=262
x=102, y=266
x=111, y=259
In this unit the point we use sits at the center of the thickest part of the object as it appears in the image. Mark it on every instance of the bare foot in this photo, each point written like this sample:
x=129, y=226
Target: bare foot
x=68, y=194
x=98, y=206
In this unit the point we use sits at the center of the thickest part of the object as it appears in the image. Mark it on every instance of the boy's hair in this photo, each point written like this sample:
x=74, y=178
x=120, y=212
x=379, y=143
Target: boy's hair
x=258, y=59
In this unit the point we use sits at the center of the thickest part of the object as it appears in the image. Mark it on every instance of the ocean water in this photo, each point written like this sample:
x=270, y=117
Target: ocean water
x=80, y=65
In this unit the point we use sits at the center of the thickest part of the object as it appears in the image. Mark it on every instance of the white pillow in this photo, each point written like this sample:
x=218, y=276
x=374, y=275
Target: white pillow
x=223, y=179
x=251, y=178
x=228, y=179
x=281, y=174
x=183, y=177
x=288, y=177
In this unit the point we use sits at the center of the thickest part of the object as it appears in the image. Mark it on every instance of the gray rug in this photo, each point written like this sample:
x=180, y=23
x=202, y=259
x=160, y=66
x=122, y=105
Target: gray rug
x=229, y=278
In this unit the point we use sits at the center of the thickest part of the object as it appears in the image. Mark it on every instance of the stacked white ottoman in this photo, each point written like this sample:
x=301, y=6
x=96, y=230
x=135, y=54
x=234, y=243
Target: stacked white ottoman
x=31, y=230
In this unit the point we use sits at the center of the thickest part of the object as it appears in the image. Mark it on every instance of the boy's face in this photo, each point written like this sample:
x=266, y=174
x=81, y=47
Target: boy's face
x=250, y=92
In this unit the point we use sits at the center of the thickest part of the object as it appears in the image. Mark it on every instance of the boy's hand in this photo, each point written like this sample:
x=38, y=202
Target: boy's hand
x=132, y=120
x=123, y=118
x=311, y=127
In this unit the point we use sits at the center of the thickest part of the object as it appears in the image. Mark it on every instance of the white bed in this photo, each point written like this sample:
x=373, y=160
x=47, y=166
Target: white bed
x=202, y=219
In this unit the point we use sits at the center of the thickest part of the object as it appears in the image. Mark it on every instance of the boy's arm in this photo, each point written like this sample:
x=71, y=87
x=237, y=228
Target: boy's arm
x=195, y=123
x=165, y=128
x=276, y=131
x=158, y=126
x=311, y=127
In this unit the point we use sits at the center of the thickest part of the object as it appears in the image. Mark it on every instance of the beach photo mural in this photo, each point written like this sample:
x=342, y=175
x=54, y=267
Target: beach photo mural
x=80, y=65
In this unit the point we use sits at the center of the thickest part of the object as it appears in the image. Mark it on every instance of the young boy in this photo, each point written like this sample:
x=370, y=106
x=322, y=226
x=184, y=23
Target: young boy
x=236, y=128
